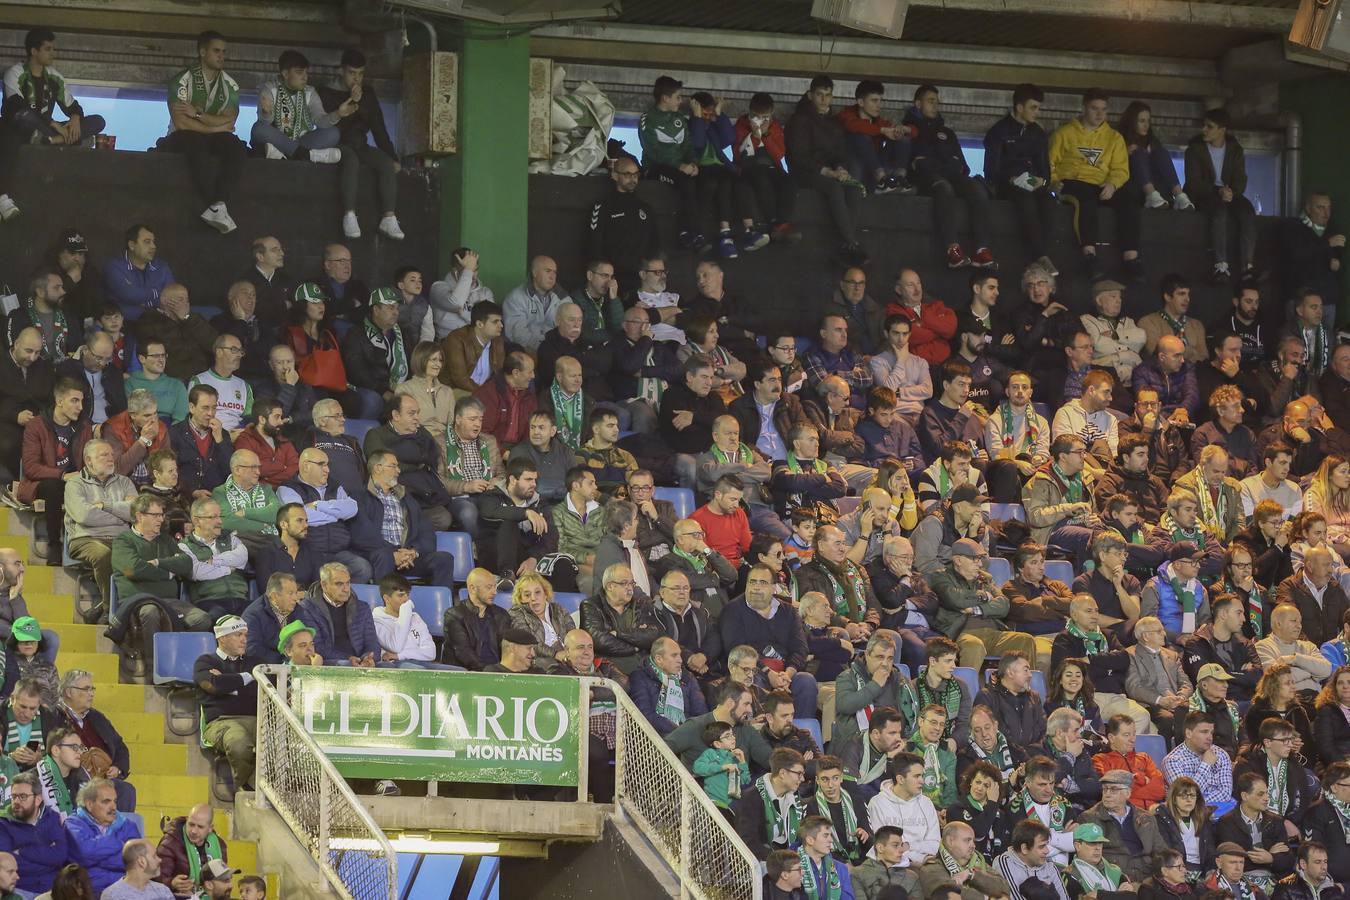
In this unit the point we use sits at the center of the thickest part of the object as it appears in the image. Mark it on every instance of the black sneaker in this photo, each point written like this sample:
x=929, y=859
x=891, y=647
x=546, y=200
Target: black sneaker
x=1133, y=270
x=1092, y=266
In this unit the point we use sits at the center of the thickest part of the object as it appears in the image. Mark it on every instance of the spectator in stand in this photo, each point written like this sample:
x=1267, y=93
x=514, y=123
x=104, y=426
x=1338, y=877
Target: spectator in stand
x=622, y=227
x=688, y=412
x=360, y=124
x=827, y=406
x=1334, y=387
x=201, y=444
x=902, y=370
x=405, y=639
x=273, y=450
x=100, y=838
x=473, y=629
x=454, y=296
x=273, y=288
x=330, y=509
x=508, y=401
x=347, y=296
x=1173, y=320
x=800, y=477
x=860, y=312
x=284, y=385
x=254, y=336
x=103, y=386
x=1310, y=249
x=940, y=170
x=668, y=156
x=1059, y=500
x=230, y=704
x=353, y=640
x=972, y=612
x=607, y=460
x=817, y=156
x=289, y=553
x=550, y=456
x=292, y=123
x=269, y=615
x=69, y=256
x=309, y=335
x=598, y=300
x=390, y=531
x=1153, y=178
x=45, y=310
x=346, y=462
x=1042, y=327
x=1088, y=418
x=136, y=281
x=1017, y=168
x=775, y=630
x=531, y=308
x=1216, y=180
x=765, y=412
x=620, y=621
x=878, y=149
x=97, y=508
x=641, y=369
x=933, y=323
x=25, y=385
x=1307, y=325
x=513, y=532
x=834, y=356
x=53, y=448
x=564, y=339
x=188, y=844
x=1319, y=598
x=203, y=107
x=188, y=339
x=1116, y=339
x=760, y=151
x=33, y=831
x=1333, y=736
x=169, y=394
x=475, y=352
x=1226, y=431
x=374, y=356
x=1172, y=375
x=1089, y=167
x=719, y=186
x=1147, y=785
x=33, y=90
x=435, y=400
x=420, y=460
x=1225, y=369
x=108, y=319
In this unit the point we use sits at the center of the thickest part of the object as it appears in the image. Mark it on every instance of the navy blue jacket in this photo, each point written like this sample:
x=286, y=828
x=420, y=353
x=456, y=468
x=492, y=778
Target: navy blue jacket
x=644, y=687
x=315, y=612
x=42, y=847
x=368, y=539
x=781, y=637
x=936, y=150
x=264, y=630
x=114, y=386
x=1011, y=148
x=196, y=472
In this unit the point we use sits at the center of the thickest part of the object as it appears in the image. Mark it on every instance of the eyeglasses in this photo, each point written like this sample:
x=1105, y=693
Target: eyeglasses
x=236, y=350
x=79, y=748
x=1238, y=565
x=629, y=583
x=88, y=688
x=791, y=348
x=155, y=355
x=800, y=773
x=693, y=534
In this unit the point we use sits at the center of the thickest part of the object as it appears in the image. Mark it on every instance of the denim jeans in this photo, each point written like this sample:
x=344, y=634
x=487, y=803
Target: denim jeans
x=267, y=133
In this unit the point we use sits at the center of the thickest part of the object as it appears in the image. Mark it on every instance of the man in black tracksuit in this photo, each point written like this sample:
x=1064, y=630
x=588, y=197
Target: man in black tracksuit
x=622, y=227
x=1017, y=166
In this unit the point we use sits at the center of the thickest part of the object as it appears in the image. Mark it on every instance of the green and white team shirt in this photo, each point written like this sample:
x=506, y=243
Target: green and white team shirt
x=41, y=92
x=215, y=97
x=234, y=397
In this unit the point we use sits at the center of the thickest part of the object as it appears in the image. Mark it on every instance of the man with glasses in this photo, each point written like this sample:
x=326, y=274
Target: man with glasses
x=1059, y=500
x=768, y=812
x=656, y=518
x=1130, y=833
x=1276, y=757
x=642, y=368
x=687, y=624
x=59, y=772
x=147, y=561
x=105, y=393
x=346, y=461
x=622, y=227
x=97, y=508
x=1326, y=823
x=782, y=352
x=390, y=531
x=330, y=510
x=710, y=575
x=217, y=583
x=187, y=338
x=32, y=830
x=661, y=306
x=346, y=295
x=249, y=507
x=852, y=302
x=201, y=444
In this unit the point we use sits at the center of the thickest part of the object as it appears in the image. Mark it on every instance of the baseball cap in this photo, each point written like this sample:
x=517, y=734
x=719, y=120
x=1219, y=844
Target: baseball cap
x=1105, y=285
x=1089, y=833
x=1212, y=670
x=1185, y=550
x=217, y=870
x=286, y=633
x=519, y=636
x=967, y=547
x=228, y=625
x=309, y=292
x=26, y=628
x=385, y=296
x=967, y=493
x=72, y=241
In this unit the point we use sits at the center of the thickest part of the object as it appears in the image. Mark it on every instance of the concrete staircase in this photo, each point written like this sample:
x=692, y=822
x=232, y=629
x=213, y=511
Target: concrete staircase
x=170, y=773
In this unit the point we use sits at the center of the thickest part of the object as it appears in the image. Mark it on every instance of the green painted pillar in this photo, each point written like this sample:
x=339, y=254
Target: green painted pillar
x=484, y=187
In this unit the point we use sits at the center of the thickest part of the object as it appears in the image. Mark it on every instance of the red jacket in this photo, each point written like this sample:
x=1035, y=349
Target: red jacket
x=855, y=122
x=39, y=453
x=773, y=142
x=931, y=328
x=279, y=464
x=1149, y=785
x=126, y=442
x=506, y=412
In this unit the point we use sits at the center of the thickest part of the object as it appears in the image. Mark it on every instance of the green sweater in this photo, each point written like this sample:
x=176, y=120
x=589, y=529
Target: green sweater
x=716, y=780
x=665, y=138
x=248, y=519
x=169, y=393
x=133, y=573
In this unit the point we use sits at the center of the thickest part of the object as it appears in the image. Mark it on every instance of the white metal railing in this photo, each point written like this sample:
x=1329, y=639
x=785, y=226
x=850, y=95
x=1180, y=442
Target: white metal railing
x=301, y=784
x=654, y=788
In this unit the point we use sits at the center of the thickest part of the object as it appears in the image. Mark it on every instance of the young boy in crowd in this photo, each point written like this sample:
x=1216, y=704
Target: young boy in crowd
x=668, y=155
x=722, y=766
x=878, y=149
x=110, y=321
x=252, y=887
x=798, y=549
x=720, y=186
x=760, y=150
x=886, y=434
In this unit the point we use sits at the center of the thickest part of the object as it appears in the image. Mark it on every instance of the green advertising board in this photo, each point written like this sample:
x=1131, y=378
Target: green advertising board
x=443, y=726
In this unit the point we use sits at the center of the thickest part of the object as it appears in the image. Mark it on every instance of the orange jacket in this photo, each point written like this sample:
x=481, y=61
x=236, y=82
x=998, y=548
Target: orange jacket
x=1149, y=785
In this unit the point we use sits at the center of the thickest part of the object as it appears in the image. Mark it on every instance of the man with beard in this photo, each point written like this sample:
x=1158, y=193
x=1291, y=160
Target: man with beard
x=61, y=334
x=1131, y=475
x=734, y=707
x=514, y=533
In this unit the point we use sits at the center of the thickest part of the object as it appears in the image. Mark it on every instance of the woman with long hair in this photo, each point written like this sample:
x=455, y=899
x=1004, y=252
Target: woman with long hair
x=1183, y=819
x=71, y=883
x=702, y=335
x=1169, y=881
x=1151, y=171
x=1071, y=685
x=533, y=608
x=767, y=550
x=1332, y=725
x=308, y=331
x=435, y=399
x=1275, y=698
x=893, y=478
x=1329, y=494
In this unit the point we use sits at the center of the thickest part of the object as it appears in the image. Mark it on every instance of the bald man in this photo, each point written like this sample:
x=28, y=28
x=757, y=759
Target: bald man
x=530, y=309
x=1297, y=428
x=248, y=506
x=191, y=834
x=1172, y=375
x=188, y=339
x=25, y=389
x=1317, y=595
x=473, y=629
x=105, y=393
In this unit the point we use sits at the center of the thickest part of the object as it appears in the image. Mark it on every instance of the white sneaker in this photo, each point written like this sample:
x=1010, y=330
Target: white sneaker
x=387, y=788
x=274, y=153
x=1154, y=200
x=1181, y=201
x=331, y=155
x=350, y=227
x=389, y=228
x=218, y=217
x=8, y=208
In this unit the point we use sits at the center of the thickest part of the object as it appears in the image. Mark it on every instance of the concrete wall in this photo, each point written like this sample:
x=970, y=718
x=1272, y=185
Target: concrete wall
x=607, y=868
x=1326, y=132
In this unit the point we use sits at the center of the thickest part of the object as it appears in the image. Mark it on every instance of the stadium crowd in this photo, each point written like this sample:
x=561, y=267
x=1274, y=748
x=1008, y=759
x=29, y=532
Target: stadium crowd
x=874, y=510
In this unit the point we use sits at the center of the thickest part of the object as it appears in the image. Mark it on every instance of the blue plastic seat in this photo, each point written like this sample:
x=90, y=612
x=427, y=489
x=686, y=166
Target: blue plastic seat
x=1001, y=570
x=812, y=726
x=1038, y=682
x=501, y=599
x=357, y=428
x=370, y=593
x=569, y=601
x=904, y=670
x=1155, y=745
x=969, y=677
x=459, y=545
x=176, y=652
x=1059, y=570
x=138, y=821
x=681, y=498
x=1006, y=511
x=431, y=602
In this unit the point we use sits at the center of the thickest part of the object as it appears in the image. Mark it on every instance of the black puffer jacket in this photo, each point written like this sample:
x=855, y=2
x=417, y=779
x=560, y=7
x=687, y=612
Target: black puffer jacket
x=814, y=142
x=936, y=149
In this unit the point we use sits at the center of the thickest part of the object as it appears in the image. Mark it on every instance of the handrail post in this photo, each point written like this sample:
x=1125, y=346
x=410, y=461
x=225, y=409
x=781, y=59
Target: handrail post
x=686, y=838
x=584, y=742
